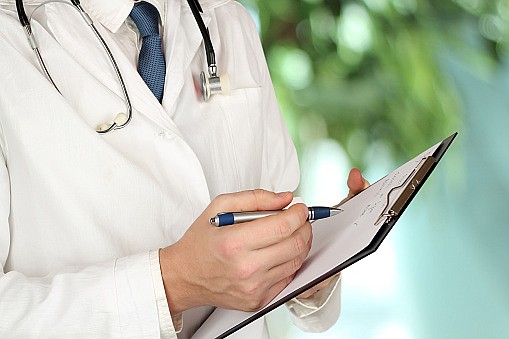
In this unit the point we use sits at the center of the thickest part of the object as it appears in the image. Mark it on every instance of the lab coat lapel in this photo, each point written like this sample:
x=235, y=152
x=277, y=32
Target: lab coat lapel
x=79, y=42
x=143, y=100
x=183, y=39
x=85, y=50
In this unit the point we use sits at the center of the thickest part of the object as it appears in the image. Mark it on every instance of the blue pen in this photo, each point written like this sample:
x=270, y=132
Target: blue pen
x=230, y=218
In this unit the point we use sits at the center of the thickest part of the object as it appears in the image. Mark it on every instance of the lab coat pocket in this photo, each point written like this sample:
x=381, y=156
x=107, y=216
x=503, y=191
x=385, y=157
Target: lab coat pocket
x=243, y=115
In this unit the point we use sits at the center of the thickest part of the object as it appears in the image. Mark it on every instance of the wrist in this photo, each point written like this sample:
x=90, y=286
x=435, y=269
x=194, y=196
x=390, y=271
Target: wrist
x=172, y=267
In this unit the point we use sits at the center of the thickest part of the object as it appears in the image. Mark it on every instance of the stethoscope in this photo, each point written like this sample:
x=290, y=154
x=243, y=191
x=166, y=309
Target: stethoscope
x=210, y=85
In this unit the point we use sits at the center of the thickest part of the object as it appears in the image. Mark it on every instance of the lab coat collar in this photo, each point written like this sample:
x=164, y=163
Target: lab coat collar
x=113, y=13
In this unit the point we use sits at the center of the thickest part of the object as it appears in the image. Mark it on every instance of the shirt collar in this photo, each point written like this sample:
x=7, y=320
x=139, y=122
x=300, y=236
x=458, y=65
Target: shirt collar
x=113, y=13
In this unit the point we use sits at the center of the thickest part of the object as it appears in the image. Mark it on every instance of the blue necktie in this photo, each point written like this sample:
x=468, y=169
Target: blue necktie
x=151, y=65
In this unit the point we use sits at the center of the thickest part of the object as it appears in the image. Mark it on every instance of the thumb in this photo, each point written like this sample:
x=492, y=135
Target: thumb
x=356, y=182
x=253, y=200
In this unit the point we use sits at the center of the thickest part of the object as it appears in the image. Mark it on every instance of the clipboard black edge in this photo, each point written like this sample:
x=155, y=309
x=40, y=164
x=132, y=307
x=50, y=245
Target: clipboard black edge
x=369, y=249
x=439, y=152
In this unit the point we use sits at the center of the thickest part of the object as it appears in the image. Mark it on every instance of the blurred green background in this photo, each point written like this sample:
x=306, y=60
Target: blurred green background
x=371, y=83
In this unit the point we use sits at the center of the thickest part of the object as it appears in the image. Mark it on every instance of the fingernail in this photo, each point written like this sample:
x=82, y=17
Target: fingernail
x=283, y=194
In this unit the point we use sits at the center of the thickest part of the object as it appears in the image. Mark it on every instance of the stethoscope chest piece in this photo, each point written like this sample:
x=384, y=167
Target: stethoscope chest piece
x=211, y=84
x=214, y=85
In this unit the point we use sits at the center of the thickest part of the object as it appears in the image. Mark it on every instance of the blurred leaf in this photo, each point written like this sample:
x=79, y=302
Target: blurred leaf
x=369, y=71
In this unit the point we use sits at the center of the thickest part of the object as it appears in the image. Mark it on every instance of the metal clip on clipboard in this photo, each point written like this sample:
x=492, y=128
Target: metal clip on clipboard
x=410, y=184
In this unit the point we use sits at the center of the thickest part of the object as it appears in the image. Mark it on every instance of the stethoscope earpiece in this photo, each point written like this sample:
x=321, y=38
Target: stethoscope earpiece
x=120, y=121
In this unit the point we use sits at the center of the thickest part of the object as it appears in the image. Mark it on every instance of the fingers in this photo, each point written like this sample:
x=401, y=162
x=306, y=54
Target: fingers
x=277, y=288
x=279, y=246
x=356, y=182
x=254, y=200
x=240, y=266
x=282, y=260
x=271, y=230
x=293, y=250
x=285, y=270
x=261, y=300
x=259, y=281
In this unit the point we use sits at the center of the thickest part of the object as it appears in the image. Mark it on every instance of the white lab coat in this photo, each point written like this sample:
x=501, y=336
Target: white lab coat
x=79, y=211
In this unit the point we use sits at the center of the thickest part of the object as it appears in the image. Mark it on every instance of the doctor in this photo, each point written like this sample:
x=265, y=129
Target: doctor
x=107, y=235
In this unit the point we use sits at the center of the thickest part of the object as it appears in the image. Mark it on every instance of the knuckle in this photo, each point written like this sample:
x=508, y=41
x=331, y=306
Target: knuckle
x=259, y=196
x=245, y=272
x=255, y=195
x=296, y=263
x=220, y=199
x=258, y=303
x=255, y=305
x=309, y=240
x=300, y=213
x=283, y=229
x=253, y=296
x=230, y=249
x=303, y=213
x=252, y=290
x=258, y=193
x=300, y=244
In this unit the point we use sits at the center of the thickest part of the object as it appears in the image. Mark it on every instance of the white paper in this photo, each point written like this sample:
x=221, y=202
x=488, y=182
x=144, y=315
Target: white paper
x=335, y=240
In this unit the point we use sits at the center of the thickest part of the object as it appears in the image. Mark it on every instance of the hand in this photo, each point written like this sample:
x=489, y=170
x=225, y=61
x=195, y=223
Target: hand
x=243, y=266
x=356, y=183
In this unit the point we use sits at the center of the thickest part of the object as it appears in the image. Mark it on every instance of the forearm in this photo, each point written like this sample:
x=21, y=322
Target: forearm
x=112, y=299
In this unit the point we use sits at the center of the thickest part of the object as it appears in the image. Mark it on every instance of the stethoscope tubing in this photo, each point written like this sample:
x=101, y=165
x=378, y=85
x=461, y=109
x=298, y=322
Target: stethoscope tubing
x=209, y=48
x=121, y=120
x=25, y=22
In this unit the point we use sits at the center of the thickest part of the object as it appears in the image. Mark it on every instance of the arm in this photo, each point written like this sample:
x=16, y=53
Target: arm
x=110, y=300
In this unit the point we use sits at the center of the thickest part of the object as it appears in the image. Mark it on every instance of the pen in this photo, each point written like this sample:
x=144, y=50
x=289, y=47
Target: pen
x=230, y=218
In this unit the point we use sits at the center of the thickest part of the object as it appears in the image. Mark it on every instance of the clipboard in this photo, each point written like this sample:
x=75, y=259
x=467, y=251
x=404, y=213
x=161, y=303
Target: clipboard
x=344, y=239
